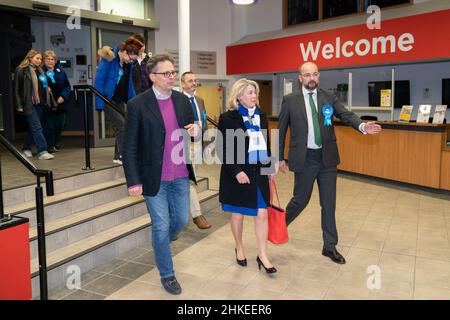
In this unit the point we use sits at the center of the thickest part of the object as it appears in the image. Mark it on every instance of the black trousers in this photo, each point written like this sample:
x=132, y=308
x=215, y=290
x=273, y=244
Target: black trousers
x=117, y=122
x=53, y=127
x=304, y=183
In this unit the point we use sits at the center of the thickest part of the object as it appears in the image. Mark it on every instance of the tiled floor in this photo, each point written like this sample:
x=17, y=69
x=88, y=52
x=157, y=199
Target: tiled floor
x=399, y=231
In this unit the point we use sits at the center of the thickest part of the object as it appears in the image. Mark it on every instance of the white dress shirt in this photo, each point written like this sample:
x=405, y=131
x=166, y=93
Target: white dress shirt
x=200, y=116
x=311, y=142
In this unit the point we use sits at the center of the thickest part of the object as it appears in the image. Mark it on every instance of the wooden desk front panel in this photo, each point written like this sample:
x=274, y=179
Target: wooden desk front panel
x=406, y=156
x=445, y=170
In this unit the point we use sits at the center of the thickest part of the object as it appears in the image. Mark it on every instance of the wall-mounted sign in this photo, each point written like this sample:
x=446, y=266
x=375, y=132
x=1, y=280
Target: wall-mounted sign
x=202, y=62
x=414, y=38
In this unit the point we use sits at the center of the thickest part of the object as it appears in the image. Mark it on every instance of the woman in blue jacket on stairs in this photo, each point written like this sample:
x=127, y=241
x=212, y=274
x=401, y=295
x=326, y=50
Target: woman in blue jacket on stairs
x=114, y=80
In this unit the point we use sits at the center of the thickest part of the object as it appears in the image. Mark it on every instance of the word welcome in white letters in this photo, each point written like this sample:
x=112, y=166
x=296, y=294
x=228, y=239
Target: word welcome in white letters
x=362, y=47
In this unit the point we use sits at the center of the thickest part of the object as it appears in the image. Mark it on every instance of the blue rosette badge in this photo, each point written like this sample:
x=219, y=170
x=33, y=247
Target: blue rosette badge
x=327, y=111
x=51, y=75
x=43, y=79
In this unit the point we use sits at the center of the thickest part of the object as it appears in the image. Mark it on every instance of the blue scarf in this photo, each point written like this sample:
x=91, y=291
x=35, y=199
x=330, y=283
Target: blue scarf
x=257, y=147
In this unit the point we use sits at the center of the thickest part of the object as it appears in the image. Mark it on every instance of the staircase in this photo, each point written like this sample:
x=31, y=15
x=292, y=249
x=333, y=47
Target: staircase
x=89, y=221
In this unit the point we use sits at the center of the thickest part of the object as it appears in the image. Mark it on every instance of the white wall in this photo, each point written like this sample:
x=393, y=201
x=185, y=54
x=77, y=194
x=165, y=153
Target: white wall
x=210, y=28
x=264, y=16
x=215, y=24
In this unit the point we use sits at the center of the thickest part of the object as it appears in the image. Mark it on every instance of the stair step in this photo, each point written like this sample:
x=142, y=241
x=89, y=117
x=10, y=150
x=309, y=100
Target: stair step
x=70, y=252
x=26, y=193
x=84, y=216
x=209, y=199
x=61, y=256
x=202, y=184
x=207, y=194
x=30, y=205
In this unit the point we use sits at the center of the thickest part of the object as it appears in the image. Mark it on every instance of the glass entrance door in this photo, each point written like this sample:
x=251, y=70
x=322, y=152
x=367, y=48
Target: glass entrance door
x=106, y=35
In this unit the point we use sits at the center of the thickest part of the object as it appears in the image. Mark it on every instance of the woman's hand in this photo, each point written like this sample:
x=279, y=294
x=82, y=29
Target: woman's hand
x=60, y=100
x=242, y=178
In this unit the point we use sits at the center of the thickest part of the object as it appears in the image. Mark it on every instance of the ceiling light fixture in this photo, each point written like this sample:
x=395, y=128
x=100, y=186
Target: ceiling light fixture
x=243, y=2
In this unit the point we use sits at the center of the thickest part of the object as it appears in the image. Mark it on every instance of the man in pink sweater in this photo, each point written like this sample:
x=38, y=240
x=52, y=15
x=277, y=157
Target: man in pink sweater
x=153, y=165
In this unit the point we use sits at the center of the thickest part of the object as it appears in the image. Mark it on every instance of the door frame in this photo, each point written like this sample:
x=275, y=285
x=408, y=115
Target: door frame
x=99, y=116
x=6, y=80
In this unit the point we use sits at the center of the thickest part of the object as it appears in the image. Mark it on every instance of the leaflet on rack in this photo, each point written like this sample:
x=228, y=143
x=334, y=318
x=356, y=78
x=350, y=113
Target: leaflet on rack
x=424, y=113
x=439, y=113
x=405, y=114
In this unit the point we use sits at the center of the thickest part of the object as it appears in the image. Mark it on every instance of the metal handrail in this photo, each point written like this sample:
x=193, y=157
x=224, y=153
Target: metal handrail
x=47, y=174
x=212, y=121
x=84, y=88
x=39, y=173
x=109, y=102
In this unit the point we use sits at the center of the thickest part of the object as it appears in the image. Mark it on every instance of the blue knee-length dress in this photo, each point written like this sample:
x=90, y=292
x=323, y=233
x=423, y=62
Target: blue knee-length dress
x=261, y=204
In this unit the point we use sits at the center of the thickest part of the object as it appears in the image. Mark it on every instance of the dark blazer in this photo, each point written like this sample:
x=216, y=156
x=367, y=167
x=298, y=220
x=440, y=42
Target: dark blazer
x=202, y=115
x=61, y=87
x=144, y=137
x=141, y=82
x=293, y=114
x=230, y=191
x=23, y=90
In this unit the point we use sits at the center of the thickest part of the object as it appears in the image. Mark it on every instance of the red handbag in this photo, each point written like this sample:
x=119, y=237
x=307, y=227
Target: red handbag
x=278, y=233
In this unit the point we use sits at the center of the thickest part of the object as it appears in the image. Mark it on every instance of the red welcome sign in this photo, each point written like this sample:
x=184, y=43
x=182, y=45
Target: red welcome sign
x=413, y=38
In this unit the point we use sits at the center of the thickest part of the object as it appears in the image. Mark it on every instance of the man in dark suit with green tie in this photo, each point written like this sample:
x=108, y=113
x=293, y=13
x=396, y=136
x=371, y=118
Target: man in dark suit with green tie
x=313, y=152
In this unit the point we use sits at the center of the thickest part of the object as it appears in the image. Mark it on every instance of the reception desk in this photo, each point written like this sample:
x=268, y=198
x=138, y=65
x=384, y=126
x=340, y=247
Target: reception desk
x=407, y=152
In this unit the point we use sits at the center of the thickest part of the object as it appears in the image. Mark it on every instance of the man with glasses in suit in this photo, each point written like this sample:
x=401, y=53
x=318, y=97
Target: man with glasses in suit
x=153, y=123
x=313, y=152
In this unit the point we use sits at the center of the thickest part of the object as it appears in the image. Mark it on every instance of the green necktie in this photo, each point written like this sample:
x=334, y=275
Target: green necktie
x=315, y=120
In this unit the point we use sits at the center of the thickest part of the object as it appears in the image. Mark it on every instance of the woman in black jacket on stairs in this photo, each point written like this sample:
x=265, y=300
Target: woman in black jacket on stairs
x=32, y=95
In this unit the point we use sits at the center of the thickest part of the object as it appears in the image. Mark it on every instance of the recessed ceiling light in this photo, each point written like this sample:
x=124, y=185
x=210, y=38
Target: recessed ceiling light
x=243, y=2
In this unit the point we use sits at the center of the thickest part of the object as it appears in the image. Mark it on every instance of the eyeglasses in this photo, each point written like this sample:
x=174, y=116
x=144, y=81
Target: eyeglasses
x=310, y=75
x=167, y=74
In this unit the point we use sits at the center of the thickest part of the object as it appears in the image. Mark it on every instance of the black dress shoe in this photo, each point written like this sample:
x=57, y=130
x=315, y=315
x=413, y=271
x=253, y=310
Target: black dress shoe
x=334, y=255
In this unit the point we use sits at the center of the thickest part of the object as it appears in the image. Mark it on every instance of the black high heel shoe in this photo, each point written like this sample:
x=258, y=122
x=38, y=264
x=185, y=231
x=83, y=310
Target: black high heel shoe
x=243, y=262
x=268, y=270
